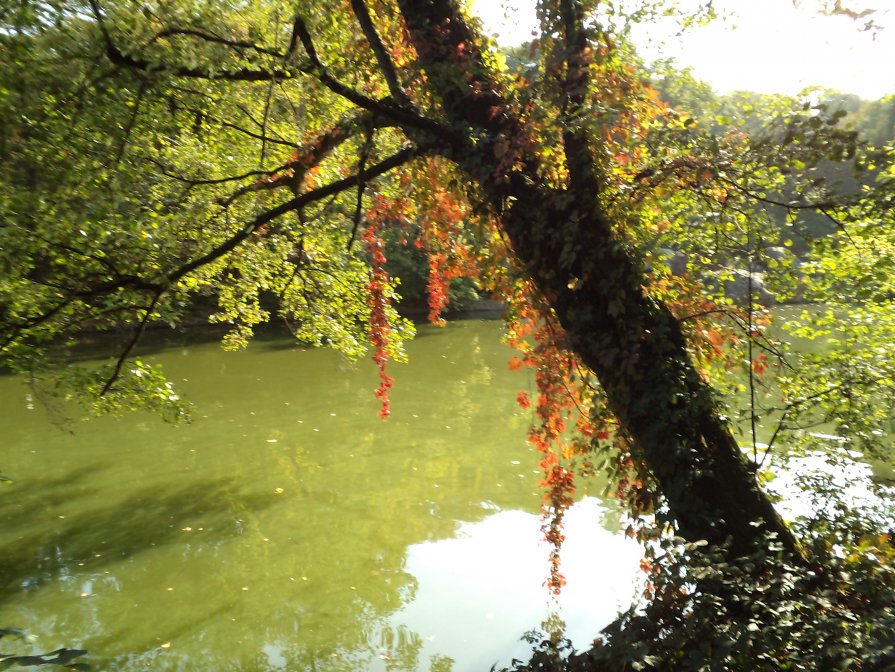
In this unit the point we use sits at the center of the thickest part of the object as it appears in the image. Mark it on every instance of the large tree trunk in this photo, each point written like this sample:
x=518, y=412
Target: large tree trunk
x=632, y=343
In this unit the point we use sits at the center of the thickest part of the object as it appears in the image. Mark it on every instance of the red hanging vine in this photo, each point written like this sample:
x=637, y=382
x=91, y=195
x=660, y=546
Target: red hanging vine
x=561, y=393
x=444, y=218
x=378, y=301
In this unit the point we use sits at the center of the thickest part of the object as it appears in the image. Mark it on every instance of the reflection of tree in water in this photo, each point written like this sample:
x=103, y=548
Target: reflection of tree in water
x=81, y=551
x=95, y=537
x=390, y=650
x=271, y=546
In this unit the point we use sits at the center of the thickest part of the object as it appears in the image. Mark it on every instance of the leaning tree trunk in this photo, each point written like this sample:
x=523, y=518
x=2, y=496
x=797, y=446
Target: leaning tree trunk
x=566, y=243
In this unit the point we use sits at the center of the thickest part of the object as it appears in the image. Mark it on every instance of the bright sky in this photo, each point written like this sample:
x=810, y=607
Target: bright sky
x=764, y=45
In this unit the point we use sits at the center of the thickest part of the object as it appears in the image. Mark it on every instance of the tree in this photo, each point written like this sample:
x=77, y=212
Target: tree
x=183, y=152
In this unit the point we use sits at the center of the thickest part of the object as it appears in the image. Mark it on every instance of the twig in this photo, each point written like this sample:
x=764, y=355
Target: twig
x=361, y=165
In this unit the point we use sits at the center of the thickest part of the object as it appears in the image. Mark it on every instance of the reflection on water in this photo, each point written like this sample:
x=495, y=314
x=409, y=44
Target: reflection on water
x=818, y=483
x=289, y=528
x=487, y=583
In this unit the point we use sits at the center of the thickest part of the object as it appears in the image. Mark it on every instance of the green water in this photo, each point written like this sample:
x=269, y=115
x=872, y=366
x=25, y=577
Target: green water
x=288, y=528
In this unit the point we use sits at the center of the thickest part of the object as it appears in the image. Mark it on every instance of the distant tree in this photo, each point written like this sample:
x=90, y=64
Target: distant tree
x=875, y=120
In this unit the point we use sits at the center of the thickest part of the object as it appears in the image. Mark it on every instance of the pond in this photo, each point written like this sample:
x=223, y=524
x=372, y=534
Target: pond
x=288, y=527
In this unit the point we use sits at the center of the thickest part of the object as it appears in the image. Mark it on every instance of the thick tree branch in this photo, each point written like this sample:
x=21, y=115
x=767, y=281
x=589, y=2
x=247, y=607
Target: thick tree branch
x=159, y=288
x=293, y=39
x=359, y=202
x=405, y=117
x=115, y=55
x=386, y=66
x=580, y=159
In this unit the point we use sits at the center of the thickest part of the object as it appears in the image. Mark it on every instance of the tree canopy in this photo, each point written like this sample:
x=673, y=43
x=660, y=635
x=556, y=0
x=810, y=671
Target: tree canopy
x=173, y=160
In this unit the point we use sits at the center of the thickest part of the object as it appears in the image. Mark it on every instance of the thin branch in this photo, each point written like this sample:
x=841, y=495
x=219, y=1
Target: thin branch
x=247, y=113
x=296, y=267
x=762, y=341
x=219, y=180
x=395, y=160
x=74, y=104
x=786, y=410
x=35, y=321
x=104, y=261
x=131, y=122
x=138, y=334
x=285, y=94
x=293, y=173
x=783, y=204
x=240, y=129
x=704, y=313
x=777, y=430
x=749, y=344
x=266, y=116
x=841, y=225
x=263, y=153
x=210, y=37
x=256, y=136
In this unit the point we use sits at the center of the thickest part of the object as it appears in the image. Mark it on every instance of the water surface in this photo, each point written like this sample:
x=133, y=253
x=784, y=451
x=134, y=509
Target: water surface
x=288, y=527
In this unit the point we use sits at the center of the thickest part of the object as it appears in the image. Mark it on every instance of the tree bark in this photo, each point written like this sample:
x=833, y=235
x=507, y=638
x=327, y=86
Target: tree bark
x=567, y=245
